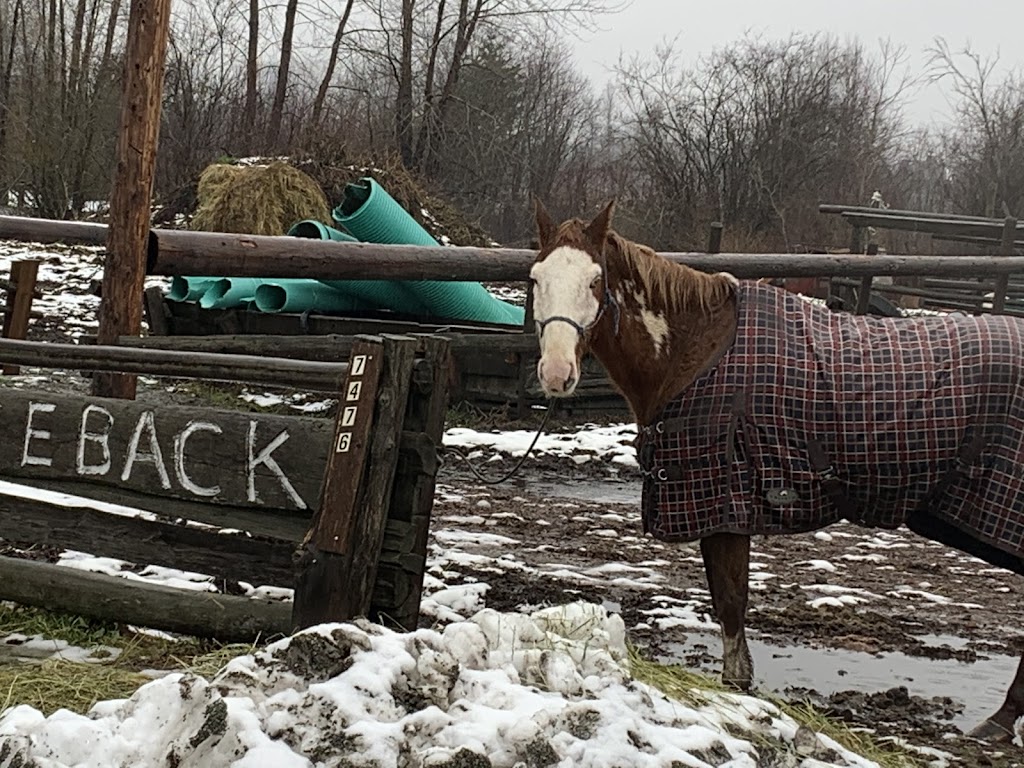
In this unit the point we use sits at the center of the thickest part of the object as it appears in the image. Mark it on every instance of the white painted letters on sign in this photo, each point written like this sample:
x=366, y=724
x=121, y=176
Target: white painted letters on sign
x=102, y=439
x=358, y=365
x=354, y=388
x=39, y=434
x=179, y=457
x=153, y=456
x=264, y=457
x=344, y=442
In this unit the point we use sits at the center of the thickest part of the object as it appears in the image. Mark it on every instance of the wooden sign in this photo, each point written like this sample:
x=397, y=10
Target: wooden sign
x=197, y=454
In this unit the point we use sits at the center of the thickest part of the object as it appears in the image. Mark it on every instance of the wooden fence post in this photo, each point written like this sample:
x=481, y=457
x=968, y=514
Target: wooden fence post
x=337, y=563
x=399, y=584
x=715, y=237
x=866, y=283
x=1005, y=249
x=124, y=271
x=18, y=309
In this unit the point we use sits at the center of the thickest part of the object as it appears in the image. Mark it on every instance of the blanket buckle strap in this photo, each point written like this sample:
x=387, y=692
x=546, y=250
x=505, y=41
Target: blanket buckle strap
x=830, y=481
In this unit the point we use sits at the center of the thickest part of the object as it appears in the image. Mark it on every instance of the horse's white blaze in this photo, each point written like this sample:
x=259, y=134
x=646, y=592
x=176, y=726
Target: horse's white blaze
x=562, y=288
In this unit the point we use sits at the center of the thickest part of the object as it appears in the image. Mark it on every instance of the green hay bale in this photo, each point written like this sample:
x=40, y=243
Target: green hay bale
x=257, y=200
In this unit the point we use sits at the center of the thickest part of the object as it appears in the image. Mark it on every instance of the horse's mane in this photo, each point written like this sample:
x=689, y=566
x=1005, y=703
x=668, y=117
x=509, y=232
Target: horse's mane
x=678, y=285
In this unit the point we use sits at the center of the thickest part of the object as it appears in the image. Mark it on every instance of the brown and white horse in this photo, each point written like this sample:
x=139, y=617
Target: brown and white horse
x=656, y=326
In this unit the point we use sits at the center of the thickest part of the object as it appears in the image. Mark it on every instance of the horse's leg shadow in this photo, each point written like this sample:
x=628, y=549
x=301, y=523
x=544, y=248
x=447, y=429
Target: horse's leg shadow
x=727, y=565
x=999, y=727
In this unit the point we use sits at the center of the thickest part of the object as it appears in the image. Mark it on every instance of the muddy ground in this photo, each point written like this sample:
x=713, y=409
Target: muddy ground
x=883, y=629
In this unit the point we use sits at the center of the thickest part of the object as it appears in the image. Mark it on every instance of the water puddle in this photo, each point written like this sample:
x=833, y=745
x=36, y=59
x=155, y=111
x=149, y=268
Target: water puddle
x=593, y=491
x=979, y=687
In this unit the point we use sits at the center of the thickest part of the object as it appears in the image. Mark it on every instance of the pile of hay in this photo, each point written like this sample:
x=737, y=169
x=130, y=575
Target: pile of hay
x=331, y=174
x=257, y=199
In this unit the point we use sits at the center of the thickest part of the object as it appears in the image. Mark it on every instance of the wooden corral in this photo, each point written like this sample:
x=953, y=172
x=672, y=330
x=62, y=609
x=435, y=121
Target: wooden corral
x=982, y=292
x=336, y=509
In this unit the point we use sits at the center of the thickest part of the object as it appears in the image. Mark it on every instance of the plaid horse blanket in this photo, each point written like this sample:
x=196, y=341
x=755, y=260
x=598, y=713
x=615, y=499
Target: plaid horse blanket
x=812, y=416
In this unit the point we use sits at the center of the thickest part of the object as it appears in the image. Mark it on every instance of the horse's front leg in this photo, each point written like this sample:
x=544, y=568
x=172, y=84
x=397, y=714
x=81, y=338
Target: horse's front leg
x=999, y=727
x=727, y=565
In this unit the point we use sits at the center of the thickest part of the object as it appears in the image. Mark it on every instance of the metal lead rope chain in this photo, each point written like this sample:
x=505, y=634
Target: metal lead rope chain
x=495, y=481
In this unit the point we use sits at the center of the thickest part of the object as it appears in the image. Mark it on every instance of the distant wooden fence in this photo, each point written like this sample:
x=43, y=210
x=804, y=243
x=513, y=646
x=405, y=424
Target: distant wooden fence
x=972, y=290
x=336, y=509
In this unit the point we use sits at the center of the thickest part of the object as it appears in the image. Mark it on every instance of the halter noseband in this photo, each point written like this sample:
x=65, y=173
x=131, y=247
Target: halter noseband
x=607, y=300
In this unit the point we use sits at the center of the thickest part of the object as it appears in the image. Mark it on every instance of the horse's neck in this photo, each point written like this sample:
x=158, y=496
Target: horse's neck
x=659, y=351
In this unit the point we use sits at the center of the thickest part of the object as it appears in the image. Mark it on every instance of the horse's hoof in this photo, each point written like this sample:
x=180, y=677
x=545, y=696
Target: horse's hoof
x=992, y=731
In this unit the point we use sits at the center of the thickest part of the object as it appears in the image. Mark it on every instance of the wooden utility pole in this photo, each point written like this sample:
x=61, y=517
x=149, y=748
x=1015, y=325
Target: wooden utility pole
x=124, y=272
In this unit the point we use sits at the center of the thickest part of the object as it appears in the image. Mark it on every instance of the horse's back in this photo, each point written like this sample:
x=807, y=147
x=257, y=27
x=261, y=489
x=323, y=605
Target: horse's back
x=893, y=405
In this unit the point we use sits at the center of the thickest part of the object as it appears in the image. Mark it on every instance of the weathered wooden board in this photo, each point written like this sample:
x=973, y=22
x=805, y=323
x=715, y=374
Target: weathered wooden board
x=203, y=614
x=337, y=563
x=34, y=517
x=199, y=454
x=399, y=583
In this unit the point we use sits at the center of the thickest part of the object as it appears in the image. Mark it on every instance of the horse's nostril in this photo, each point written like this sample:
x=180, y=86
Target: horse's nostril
x=569, y=384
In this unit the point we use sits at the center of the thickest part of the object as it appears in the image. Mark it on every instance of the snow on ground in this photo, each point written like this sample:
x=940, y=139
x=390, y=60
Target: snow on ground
x=586, y=443
x=501, y=689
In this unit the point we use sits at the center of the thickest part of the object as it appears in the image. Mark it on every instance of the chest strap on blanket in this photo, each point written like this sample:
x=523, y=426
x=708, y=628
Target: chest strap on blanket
x=830, y=481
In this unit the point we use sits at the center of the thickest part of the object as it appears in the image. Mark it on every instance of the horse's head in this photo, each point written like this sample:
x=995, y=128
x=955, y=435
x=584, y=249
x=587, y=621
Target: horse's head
x=569, y=280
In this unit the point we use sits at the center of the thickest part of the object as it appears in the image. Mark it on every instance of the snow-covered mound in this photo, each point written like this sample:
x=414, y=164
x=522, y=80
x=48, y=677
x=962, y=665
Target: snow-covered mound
x=501, y=690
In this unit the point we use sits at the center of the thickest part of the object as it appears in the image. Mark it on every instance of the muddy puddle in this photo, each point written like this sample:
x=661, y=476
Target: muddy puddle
x=977, y=689
x=596, y=491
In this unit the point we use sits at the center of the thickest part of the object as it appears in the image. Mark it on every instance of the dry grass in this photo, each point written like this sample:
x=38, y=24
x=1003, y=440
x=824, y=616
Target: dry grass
x=59, y=684
x=257, y=200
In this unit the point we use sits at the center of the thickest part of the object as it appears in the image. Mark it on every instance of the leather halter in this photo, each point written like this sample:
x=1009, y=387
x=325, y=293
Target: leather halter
x=607, y=300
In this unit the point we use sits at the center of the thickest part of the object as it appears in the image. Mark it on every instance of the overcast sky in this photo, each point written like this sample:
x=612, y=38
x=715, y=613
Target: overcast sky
x=990, y=26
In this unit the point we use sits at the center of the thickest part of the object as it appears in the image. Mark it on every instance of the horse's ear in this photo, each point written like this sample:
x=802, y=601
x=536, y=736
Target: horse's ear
x=545, y=226
x=598, y=228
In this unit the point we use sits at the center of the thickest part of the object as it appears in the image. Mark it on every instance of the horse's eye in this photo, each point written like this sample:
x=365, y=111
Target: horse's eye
x=595, y=282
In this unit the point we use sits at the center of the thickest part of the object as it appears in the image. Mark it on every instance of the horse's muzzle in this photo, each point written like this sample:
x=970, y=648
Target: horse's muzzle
x=558, y=378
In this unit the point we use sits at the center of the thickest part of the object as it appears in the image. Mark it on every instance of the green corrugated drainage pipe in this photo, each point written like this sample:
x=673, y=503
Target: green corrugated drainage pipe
x=388, y=294
x=189, y=288
x=300, y=295
x=373, y=216
x=230, y=293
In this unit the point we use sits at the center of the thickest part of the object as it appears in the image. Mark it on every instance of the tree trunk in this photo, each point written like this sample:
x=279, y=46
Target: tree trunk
x=403, y=106
x=277, y=110
x=5, y=91
x=249, y=117
x=332, y=62
x=426, y=156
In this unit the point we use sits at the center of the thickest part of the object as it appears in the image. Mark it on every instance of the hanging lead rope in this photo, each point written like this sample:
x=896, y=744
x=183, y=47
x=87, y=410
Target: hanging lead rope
x=495, y=481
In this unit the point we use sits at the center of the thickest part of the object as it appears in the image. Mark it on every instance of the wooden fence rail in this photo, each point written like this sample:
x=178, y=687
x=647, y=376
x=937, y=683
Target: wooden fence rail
x=177, y=252
x=200, y=365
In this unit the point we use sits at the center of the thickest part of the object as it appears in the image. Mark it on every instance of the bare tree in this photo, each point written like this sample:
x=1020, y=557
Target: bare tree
x=283, y=69
x=759, y=133
x=984, y=150
x=332, y=63
x=441, y=35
